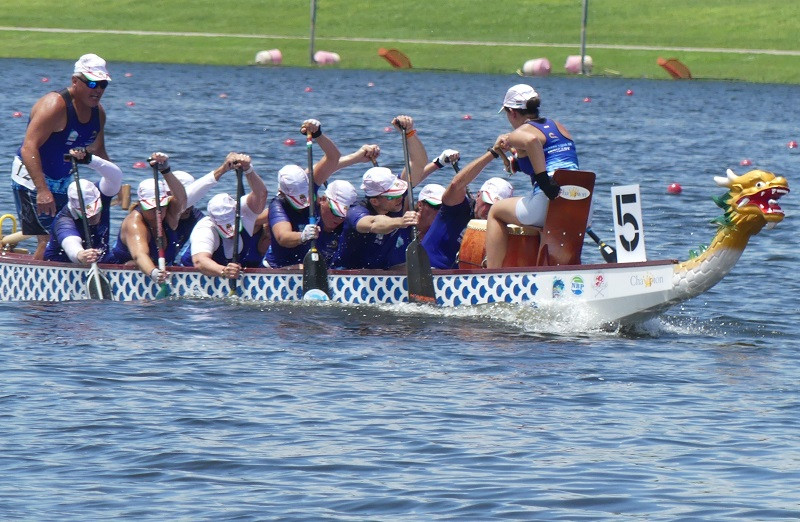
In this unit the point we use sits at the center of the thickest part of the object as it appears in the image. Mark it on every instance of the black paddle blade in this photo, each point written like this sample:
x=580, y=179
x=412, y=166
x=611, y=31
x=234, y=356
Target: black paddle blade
x=315, y=272
x=420, y=278
x=97, y=285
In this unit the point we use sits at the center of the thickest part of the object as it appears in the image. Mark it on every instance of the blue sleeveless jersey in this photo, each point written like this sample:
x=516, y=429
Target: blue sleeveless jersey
x=559, y=151
x=279, y=211
x=64, y=225
x=443, y=239
x=357, y=250
x=184, y=230
x=75, y=134
x=120, y=253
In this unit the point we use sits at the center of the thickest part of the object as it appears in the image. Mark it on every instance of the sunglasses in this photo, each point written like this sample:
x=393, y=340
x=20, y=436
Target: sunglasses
x=92, y=84
x=392, y=198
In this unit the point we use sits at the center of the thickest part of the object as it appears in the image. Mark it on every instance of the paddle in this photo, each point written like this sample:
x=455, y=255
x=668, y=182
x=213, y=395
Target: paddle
x=315, y=271
x=418, y=264
x=161, y=240
x=236, y=223
x=609, y=254
x=97, y=286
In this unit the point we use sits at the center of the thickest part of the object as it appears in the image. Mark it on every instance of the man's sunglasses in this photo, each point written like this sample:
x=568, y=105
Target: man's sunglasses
x=392, y=198
x=93, y=84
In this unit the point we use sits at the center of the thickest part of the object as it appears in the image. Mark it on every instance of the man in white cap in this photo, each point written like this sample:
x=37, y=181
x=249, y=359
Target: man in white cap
x=289, y=211
x=543, y=146
x=211, y=243
x=376, y=231
x=67, y=235
x=442, y=240
x=59, y=121
x=137, y=242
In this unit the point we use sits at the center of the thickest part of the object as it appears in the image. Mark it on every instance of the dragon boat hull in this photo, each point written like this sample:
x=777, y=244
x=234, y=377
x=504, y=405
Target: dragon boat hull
x=620, y=293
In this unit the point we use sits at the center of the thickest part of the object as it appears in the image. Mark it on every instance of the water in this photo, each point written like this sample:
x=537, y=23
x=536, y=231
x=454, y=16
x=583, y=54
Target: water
x=220, y=410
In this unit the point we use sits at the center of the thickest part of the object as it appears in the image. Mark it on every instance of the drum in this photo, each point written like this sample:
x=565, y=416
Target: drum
x=523, y=246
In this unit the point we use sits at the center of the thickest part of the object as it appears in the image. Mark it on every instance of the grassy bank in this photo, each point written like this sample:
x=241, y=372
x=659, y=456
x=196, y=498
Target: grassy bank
x=531, y=28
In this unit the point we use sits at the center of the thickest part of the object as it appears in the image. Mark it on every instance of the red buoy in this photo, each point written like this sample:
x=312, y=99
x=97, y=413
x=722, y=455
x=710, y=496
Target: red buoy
x=371, y=84
x=130, y=103
x=388, y=129
x=45, y=79
x=140, y=165
x=223, y=95
x=745, y=162
x=587, y=100
x=309, y=89
x=17, y=114
x=128, y=75
x=289, y=142
x=466, y=117
x=629, y=92
x=792, y=144
x=674, y=188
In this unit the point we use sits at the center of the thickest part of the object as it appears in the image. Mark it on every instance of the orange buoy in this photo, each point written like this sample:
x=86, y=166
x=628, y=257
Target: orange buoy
x=289, y=142
x=674, y=188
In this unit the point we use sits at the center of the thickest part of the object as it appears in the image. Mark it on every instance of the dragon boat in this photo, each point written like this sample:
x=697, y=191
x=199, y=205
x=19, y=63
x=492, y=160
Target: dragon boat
x=612, y=293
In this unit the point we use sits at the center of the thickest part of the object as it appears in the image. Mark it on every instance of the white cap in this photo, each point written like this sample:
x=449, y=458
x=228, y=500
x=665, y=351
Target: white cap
x=341, y=194
x=92, y=67
x=379, y=181
x=517, y=96
x=293, y=183
x=432, y=193
x=495, y=189
x=222, y=210
x=91, y=197
x=147, y=193
x=184, y=177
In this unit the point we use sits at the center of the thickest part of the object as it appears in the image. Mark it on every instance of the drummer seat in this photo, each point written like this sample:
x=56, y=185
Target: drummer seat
x=561, y=238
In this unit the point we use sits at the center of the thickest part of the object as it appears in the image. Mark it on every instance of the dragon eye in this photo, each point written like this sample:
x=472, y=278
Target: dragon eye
x=760, y=184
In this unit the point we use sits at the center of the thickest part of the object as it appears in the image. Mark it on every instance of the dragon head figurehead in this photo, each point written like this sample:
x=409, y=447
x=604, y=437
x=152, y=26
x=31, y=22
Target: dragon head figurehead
x=752, y=198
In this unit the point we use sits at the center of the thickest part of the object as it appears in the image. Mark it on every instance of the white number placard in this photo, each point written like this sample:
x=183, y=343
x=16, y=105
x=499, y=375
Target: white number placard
x=628, y=227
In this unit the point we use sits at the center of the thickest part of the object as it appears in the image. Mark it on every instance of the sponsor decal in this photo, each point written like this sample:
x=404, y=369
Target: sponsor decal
x=647, y=280
x=73, y=135
x=558, y=287
x=574, y=192
x=577, y=285
x=600, y=285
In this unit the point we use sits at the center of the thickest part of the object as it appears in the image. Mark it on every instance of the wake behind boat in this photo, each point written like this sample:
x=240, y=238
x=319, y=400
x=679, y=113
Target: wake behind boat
x=612, y=293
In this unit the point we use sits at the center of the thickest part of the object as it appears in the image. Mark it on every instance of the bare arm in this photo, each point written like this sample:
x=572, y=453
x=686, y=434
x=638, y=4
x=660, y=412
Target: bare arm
x=207, y=266
x=363, y=155
x=136, y=236
x=382, y=224
x=329, y=163
x=418, y=156
x=525, y=139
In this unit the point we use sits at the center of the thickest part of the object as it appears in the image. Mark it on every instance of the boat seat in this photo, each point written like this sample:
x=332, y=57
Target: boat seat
x=561, y=238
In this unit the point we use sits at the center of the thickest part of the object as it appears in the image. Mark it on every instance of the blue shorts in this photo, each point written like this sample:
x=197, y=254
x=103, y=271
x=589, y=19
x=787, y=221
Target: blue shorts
x=33, y=223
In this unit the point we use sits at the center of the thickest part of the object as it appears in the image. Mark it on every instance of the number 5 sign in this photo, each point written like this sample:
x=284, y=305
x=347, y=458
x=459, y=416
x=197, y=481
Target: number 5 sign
x=628, y=228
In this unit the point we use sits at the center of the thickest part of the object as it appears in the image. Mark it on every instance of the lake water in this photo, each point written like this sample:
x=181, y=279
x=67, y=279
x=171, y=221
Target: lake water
x=215, y=410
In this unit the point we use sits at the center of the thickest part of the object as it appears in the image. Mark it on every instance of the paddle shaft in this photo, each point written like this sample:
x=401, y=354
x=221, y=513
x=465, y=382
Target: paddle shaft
x=161, y=240
x=410, y=181
x=237, y=219
x=608, y=252
x=94, y=272
x=315, y=269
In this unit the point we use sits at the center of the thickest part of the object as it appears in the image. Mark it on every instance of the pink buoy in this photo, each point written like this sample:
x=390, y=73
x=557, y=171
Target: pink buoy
x=270, y=57
x=466, y=117
x=745, y=162
x=587, y=100
x=17, y=114
x=130, y=103
x=536, y=67
x=629, y=92
x=388, y=129
x=308, y=89
x=128, y=75
x=140, y=165
x=573, y=64
x=792, y=144
x=223, y=95
x=289, y=142
x=674, y=188
x=326, y=58
x=45, y=79
x=371, y=84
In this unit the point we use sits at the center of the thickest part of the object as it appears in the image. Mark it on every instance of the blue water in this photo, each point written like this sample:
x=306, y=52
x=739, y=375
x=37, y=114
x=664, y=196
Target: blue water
x=216, y=410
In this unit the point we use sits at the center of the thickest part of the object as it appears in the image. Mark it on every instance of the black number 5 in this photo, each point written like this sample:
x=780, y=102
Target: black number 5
x=625, y=218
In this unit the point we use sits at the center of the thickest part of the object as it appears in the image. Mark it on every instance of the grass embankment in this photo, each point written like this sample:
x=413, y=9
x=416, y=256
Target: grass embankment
x=656, y=24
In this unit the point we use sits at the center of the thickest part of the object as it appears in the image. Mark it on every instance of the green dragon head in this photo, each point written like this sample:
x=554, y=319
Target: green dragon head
x=751, y=196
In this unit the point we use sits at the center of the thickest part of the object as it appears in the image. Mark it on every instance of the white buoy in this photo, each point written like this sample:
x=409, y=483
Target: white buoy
x=315, y=294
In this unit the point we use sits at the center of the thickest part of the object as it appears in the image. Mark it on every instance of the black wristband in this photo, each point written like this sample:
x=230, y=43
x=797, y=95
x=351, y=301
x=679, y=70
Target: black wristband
x=317, y=134
x=437, y=163
x=166, y=170
x=86, y=159
x=494, y=152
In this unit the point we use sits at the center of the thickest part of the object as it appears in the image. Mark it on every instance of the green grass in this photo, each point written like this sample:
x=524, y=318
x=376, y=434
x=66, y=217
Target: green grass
x=724, y=24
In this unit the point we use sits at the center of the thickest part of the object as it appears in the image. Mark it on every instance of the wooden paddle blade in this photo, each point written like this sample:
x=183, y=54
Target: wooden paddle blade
x=97, y=286
x=420, y=278
x=315, y=272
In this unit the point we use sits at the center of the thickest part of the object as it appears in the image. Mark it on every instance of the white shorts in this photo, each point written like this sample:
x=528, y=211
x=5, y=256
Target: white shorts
x=532, y=209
